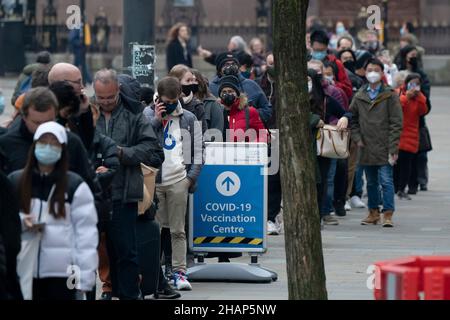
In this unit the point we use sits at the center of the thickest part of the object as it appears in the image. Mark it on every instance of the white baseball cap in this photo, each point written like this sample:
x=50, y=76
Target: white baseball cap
x=54, y=128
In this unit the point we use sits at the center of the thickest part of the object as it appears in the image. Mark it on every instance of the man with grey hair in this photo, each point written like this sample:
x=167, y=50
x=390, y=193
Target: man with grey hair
x=137, y=143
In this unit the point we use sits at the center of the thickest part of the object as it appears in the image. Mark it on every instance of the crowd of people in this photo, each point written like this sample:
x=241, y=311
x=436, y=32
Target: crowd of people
x=71, y=165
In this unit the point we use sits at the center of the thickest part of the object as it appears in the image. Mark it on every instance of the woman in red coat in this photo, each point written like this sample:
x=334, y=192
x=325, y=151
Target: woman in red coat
x=242, y=121
x=414, y=105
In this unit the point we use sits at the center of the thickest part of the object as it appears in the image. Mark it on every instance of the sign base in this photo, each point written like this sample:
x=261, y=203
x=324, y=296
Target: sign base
x=230, y=272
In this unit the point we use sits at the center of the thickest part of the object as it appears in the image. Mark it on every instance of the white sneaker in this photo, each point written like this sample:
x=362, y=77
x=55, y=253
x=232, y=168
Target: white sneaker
x=356, y=202
x=348, y=207
x=272, y=229
x=180, y=282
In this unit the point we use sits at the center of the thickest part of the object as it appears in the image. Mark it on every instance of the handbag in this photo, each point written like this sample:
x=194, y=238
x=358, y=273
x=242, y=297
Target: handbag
x=149, y=174
x=332, y=143
x=425, y=140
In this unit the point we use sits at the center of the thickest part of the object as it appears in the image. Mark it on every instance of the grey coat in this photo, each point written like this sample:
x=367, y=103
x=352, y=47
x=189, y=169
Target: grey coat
x=189, y=122
x=134, y=134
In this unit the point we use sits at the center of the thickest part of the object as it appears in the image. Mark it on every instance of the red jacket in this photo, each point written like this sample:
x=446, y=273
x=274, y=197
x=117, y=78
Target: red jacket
x=237, y=122
x=342, y=80
x=413, y=109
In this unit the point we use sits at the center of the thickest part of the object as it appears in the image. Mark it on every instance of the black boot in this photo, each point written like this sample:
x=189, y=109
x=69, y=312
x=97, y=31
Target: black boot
x=339, y=207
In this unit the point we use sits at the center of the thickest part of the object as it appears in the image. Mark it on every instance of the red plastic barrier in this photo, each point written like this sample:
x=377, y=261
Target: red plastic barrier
x=413, y=278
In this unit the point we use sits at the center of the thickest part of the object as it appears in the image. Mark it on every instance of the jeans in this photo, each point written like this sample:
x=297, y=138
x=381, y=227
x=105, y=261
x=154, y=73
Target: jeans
x=327, y=204
x=358, y=183
x=340, y=181
x=123, y=256
x=322, y=187
x=376, y=176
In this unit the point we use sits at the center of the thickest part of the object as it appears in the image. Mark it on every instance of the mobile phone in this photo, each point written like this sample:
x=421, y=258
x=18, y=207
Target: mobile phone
x=158, y=101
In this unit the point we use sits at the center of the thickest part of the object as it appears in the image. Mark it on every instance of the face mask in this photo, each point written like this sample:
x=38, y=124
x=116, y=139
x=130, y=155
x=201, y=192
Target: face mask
x=373, y=77
x=319, y=55
x=231, y=70
x=170, y=107
x=413, y=62
x=228, y=99
x=47, y=154
x=330, y=79
x=340, y=30
x=246, y=74
x=310, y=86
x=373, y=45
x=187, y=89
x=350, y=65
x=194, y=88
x=402, y=31
x=271, y=71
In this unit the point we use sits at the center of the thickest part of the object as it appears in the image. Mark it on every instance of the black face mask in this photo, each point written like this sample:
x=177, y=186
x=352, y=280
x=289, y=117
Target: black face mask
x=194, y=88
x=228, y=99
x=350, y=65
x=231, y=70
x=413, y=62
x=187, y=89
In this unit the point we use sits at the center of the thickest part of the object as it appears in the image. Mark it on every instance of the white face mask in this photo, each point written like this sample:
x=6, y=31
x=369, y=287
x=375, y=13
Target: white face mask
x=373, y=77
x=310, y=86
x=330, y=79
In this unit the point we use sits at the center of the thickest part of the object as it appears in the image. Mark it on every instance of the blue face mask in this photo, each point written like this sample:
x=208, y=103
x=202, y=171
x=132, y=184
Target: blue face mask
x=47, y=154
x=319, y=55
x=340, y=30
x=170, y=108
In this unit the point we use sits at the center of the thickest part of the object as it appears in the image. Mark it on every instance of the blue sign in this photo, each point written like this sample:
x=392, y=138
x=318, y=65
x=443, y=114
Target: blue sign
x=229, y=209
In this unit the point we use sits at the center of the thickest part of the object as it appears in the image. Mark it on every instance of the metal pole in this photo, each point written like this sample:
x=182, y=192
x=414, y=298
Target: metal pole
x=138, y=27
x=386, y=23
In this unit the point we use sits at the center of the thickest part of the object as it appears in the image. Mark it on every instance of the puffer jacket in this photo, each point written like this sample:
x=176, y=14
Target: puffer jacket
x=242, y=120
x=65, y=242
x=377, y=124
x=413, y=109
x=134, y=134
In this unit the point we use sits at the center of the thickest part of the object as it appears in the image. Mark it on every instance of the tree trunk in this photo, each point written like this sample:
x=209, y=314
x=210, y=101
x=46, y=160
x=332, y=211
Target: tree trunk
x=305, y=266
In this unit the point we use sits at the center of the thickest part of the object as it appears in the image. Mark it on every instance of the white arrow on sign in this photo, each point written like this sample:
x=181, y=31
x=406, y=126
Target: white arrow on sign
x=228, y=183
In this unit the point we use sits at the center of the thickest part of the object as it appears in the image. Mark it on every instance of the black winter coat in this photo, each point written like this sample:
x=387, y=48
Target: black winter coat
x=175, y=55
x=10, y=241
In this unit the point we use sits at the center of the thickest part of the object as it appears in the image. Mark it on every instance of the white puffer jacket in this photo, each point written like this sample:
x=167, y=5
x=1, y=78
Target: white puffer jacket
x=68, y=243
